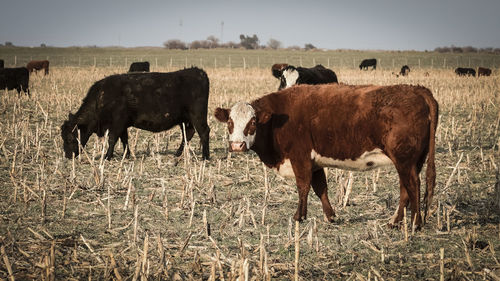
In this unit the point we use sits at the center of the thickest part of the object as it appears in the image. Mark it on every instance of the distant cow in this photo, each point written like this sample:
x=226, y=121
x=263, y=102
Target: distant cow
x=1, y=64
x=292, y=75
x=482, y=71
x=302, y=129
x=15, y=78
x=405, y=70
x=142, y=66
x=277, y=69
x=38, y=65
x=464, y=71
x=150, y=101
x=367, y=63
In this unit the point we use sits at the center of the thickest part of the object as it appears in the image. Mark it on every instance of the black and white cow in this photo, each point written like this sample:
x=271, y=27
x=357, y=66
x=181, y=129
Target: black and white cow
x=292, y=75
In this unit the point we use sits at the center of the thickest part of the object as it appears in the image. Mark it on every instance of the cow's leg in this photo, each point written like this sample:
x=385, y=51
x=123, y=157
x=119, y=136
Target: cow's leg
x=189, y=136
x=124, y=139
x=203, y=130
x=320, y=187
x=403, y=202
x=112, y=139
x=410, y=192
x=302, y=168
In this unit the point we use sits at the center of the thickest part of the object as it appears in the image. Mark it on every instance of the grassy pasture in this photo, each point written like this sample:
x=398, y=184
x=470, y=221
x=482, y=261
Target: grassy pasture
x=147, y=216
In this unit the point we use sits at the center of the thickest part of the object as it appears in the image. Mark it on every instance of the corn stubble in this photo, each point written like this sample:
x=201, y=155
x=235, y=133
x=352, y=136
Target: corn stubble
x=154, y=217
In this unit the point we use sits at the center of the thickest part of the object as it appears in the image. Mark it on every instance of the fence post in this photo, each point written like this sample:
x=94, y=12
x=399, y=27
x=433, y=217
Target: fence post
x=170, y=62
x=125, y=61
x=15, y=60
x=328, y=63
x=79, y=61
x=314, y=62
x=110, y=61
x=444, y=63
x=244, y=63
x=156, y=63
x=419, y=63
x=215, y=62
x=186, y=63
x=300, y=61
x=432, y=63
x=229, y=61
x=94, y=62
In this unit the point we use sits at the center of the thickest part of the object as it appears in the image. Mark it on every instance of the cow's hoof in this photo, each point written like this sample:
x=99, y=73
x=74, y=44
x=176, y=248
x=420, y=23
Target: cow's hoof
x=299, y=218
x=330, y=218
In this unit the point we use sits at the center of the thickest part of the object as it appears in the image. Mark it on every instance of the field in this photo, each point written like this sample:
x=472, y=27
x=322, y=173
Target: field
x=157, y=217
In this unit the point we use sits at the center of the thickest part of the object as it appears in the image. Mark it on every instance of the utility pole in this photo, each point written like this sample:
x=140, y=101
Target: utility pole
x=221, y=31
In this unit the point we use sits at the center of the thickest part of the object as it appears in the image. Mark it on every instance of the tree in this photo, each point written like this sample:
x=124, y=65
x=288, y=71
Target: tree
x=213, y=41
x=175, y=44
x=248, y=42
x=274, y=44
x=309, y=46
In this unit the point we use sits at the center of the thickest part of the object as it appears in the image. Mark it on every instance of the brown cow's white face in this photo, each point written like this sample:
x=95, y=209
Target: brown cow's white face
x=241, y=122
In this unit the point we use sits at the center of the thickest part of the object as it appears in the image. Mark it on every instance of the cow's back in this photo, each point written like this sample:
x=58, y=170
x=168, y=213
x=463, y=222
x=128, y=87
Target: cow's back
x=342, y=121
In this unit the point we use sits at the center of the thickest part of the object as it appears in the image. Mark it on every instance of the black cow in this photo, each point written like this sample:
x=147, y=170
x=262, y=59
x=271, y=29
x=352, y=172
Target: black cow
x=367, y=63
x=15, y=78
x=292, y=75
x=150, y=101
x=464, y=71
x=142, y=66
x=1, y=64
x=405, y=70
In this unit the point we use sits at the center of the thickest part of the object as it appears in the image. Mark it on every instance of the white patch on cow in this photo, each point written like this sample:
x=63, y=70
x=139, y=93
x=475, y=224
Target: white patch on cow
x=367, y=161
x=285, y=170
x=241, y=114
x=291, y=76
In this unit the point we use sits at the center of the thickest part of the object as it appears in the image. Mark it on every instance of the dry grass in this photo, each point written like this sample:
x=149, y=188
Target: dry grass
x=157, y=217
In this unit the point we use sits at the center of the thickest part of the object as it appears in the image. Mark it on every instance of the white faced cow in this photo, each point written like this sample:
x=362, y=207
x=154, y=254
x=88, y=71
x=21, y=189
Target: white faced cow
x=302, y=129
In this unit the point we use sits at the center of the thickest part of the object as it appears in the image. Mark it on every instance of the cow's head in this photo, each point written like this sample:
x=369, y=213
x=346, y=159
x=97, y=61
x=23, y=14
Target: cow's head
x=242, y=120
x=288, y=77
x=69, y=134
x=277, y=69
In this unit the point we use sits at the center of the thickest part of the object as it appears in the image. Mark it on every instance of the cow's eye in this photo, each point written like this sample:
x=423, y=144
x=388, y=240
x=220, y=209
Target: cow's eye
x=253, y=123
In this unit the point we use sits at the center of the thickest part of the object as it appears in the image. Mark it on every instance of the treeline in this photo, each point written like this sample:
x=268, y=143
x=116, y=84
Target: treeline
x=466, y=49
x=246, y=42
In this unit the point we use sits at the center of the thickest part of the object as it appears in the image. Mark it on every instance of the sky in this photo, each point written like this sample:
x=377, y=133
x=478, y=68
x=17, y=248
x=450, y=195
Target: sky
x=352, y=24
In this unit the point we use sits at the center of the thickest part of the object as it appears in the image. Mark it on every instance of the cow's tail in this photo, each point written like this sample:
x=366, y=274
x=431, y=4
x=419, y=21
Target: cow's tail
x=431, y=166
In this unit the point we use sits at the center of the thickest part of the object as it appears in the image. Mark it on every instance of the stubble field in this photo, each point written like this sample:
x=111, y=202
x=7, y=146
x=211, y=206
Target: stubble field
x=157, y=217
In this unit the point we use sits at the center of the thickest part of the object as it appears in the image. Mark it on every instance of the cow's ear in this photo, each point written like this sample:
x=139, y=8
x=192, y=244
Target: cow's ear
x=263, y=117
x=222, y=114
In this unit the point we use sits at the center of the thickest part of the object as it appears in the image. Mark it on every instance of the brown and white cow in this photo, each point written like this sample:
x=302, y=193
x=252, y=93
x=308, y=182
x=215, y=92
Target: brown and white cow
x=302, y=129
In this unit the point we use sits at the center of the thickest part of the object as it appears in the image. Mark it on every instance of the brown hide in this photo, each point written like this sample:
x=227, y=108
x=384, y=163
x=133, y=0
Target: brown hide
x=482, y=71
x=38, y=65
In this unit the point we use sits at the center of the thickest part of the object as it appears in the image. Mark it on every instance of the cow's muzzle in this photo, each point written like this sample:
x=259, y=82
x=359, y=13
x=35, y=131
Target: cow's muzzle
x=238, y=146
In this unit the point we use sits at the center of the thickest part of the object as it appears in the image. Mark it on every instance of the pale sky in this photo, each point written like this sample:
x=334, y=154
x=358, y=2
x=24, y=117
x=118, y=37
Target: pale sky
x=351, y=24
